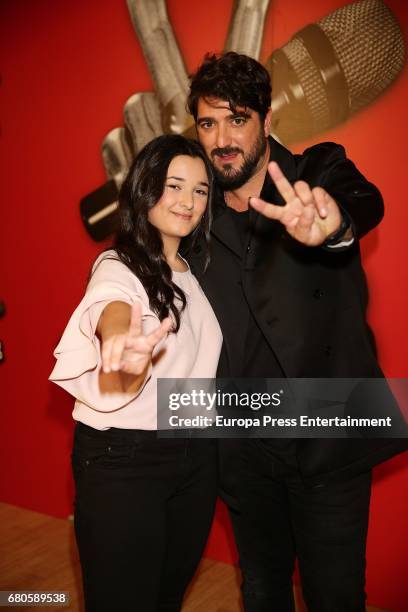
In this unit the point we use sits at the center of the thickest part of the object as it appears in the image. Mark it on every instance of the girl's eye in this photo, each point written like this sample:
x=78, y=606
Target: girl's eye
x=202, y=192
x=173, y=186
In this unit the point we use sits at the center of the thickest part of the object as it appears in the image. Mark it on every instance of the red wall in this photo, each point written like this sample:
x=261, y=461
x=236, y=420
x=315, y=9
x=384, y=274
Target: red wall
x=68, y=68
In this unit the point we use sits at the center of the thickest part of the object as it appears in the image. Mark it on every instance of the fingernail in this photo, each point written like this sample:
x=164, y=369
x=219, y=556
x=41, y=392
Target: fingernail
x=115, y=367
x=106, y=370
x=323, y=212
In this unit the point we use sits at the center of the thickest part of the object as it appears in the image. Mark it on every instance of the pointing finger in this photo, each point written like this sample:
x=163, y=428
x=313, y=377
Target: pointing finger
x=135, y=326
x=271, y=211
x=284, y=187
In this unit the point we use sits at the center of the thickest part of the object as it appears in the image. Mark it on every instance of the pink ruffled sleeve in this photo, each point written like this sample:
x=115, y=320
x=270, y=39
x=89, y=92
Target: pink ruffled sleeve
x=78, y=352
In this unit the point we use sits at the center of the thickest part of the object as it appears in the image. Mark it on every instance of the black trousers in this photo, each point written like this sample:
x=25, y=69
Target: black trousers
x=279, y=519
x=143, y=510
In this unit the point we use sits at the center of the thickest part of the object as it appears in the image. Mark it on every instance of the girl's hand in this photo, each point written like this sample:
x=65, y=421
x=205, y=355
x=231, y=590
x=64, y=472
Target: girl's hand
x=131, y=352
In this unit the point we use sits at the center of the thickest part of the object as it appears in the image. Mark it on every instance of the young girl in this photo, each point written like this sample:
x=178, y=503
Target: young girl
x=144, y=504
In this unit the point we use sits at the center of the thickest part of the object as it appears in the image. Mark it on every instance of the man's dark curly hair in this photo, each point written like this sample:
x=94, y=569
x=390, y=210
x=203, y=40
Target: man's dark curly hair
x=235, y=78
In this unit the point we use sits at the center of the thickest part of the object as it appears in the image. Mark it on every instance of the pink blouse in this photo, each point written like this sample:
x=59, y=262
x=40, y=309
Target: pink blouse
x=192, y=352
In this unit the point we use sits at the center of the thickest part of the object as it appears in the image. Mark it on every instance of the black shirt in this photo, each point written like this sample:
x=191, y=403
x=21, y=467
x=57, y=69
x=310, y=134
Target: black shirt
x=260, y=360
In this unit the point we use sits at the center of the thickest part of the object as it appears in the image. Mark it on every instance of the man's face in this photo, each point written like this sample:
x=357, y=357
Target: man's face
x=235, y=142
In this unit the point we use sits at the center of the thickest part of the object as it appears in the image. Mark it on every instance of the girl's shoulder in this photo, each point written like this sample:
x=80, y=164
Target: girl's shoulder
x=109, y=269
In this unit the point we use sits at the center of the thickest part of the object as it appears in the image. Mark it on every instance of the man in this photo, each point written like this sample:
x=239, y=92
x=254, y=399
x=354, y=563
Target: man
x=286, y=283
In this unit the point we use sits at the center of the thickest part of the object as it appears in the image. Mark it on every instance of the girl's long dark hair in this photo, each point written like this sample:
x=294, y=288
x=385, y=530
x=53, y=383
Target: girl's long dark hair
x=138, y=244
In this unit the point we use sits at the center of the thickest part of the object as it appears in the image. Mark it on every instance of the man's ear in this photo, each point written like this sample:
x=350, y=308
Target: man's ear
x=267, y=122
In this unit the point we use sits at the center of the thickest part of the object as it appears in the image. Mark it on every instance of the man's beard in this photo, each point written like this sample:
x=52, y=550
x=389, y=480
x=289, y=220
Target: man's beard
x=228, y=178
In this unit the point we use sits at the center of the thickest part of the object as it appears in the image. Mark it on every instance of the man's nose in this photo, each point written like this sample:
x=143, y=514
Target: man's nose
x=223, y=136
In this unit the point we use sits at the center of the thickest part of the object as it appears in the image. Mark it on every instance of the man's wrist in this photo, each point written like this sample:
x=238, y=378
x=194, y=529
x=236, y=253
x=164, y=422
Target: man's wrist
x=340, y=234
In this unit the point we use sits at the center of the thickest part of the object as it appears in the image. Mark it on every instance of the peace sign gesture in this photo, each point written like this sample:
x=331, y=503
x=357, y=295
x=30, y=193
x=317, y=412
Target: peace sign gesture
x=309, y=215
x=131, y=352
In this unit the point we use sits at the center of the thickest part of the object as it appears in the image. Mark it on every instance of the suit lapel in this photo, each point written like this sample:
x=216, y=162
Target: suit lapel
x=224, y=229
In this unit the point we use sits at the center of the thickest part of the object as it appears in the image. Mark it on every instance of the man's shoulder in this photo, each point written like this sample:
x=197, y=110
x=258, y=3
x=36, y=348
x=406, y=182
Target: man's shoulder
x=322, y=151
x=321, y=162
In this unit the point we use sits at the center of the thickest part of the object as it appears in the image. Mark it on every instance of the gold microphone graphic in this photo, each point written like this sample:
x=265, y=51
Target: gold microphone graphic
x=330, y=70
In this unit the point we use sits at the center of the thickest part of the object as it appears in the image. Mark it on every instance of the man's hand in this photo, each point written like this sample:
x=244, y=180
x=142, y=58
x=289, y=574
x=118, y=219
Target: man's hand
x=309, y=215
x=131, y=352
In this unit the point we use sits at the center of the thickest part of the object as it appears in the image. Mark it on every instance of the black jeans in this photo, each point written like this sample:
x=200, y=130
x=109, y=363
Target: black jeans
x=143, y=511
x=279, y=519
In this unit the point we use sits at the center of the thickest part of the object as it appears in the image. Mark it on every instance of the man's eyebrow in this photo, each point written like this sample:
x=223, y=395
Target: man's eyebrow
x=235, y=115
x=244, y=114
x=199, y=119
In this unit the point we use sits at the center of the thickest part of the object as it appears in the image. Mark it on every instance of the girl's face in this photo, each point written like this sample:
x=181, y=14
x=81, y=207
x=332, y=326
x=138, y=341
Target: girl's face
x=184, y=198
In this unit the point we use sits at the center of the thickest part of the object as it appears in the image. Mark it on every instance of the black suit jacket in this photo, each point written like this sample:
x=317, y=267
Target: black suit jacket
x=309, y=302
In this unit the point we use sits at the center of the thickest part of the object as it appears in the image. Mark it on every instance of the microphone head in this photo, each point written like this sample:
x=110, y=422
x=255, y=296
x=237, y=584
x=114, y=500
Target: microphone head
x=332, y=69
x=368, y=42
